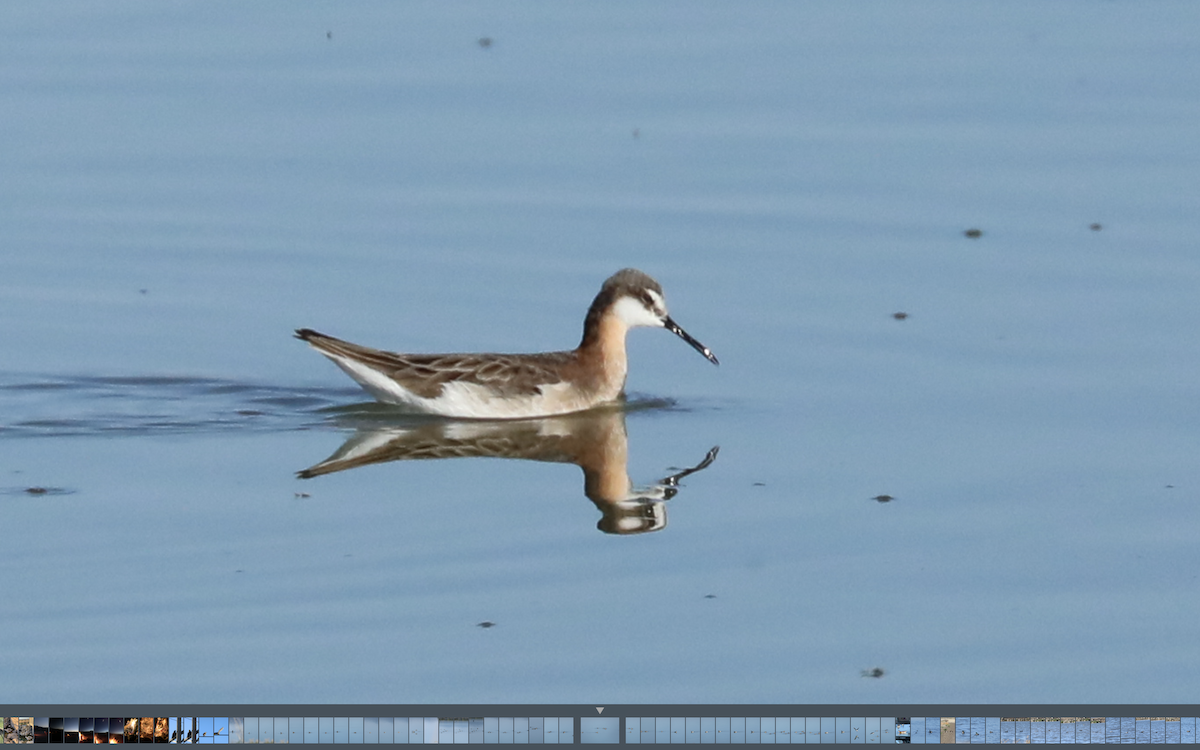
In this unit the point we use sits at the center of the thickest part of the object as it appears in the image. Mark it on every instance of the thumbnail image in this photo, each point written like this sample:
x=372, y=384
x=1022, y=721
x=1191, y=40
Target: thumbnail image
x=116, y=735
x=71, y=730
x=187, y=729
x=131, y=729
x=237, y=729
x=18, y=729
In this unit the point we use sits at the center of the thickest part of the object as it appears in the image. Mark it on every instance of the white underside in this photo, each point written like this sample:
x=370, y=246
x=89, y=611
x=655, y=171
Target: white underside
x=466, y=400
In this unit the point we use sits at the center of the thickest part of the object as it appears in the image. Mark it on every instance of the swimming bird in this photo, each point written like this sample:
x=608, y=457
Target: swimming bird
x=516, y=386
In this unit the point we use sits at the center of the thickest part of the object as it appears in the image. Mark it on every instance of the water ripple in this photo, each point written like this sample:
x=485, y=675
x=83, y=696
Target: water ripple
x=58, y=406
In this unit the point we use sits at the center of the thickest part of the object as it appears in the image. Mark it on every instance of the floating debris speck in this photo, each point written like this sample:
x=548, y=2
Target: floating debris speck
x=36, y=491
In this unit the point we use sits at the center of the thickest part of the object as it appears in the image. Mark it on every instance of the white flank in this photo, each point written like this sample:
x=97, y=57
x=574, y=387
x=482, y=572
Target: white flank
x=465, y=400
x=375, y=383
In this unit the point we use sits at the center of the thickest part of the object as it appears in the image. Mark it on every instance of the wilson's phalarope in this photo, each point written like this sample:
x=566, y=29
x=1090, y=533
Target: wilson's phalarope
x=516, y=386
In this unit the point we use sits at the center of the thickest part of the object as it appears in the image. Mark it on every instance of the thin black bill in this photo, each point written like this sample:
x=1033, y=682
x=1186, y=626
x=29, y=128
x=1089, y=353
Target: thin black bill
x=674, y=328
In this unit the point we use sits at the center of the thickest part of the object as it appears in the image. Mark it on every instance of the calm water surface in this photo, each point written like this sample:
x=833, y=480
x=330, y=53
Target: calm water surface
x=183, y=185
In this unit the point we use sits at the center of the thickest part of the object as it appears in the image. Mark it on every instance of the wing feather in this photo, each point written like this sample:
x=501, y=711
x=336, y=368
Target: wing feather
x=506, y=375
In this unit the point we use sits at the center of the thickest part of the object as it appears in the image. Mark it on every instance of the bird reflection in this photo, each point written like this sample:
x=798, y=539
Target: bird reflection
x=595, y=441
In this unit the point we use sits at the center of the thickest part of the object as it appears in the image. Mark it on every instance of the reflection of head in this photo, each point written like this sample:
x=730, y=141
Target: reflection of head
x=635, y=517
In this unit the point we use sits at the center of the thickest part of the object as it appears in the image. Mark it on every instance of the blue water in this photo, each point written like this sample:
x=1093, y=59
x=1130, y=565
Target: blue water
x=182, y=185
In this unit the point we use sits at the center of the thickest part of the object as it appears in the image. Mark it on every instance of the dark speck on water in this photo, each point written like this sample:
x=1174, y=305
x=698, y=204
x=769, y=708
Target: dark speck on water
x=760, y=484
x=485, y=42
x=876, y=672
x=974, y=233
x=486, y=624
x=36, y=491
x=883, y=498
x=1096, y=227
x=710, y=596
x=900, y=315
